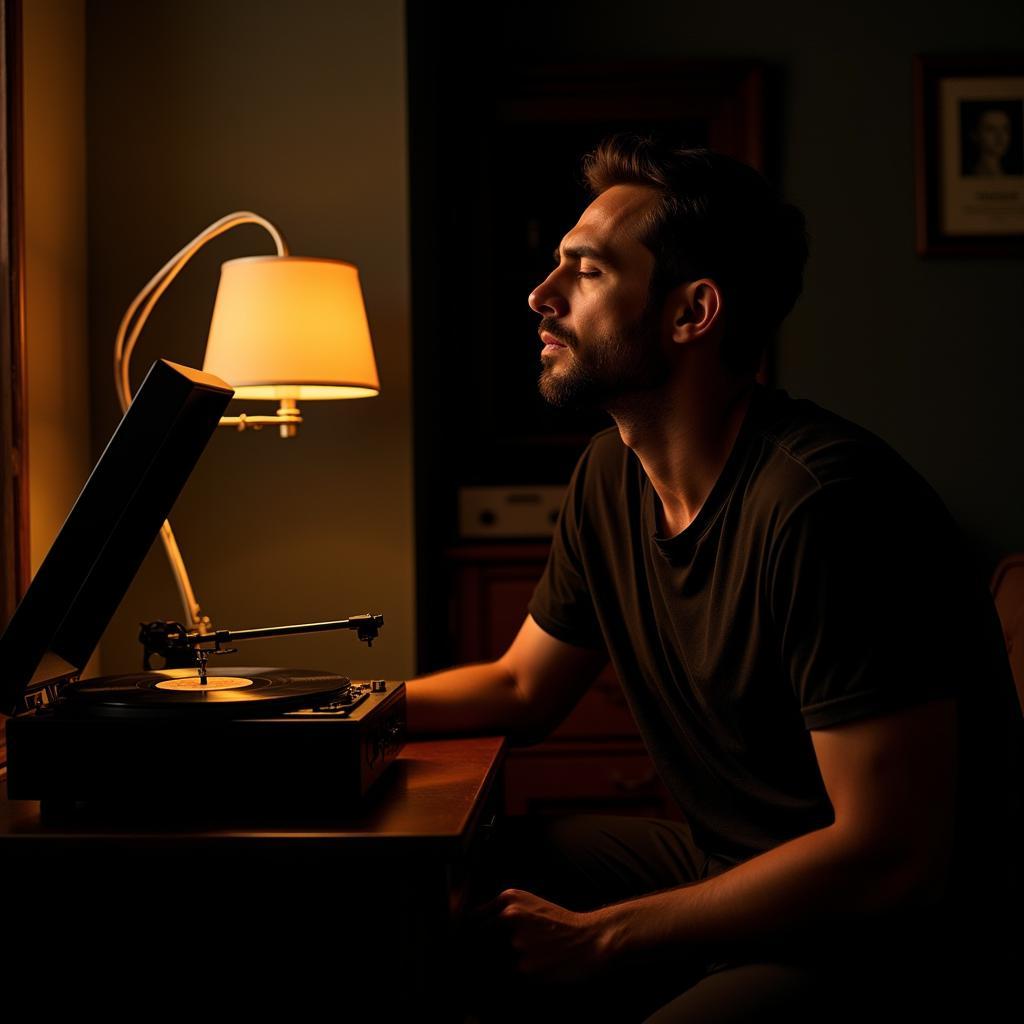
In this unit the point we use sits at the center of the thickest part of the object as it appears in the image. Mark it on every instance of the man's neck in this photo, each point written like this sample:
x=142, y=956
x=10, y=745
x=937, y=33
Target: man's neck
x=683, y=438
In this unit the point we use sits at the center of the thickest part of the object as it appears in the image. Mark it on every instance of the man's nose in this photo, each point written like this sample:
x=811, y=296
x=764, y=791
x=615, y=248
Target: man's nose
x=546, y=300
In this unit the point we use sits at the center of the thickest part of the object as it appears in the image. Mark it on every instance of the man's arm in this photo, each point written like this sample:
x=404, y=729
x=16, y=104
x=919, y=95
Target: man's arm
x=523, y=694
x=891, y=780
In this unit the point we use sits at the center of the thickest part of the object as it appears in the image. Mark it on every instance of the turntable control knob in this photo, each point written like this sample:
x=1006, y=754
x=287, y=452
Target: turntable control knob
x=378, y=686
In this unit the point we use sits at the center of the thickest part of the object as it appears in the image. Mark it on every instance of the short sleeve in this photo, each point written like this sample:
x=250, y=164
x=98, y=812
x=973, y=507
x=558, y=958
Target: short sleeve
x=868, y=612
x=561, y=603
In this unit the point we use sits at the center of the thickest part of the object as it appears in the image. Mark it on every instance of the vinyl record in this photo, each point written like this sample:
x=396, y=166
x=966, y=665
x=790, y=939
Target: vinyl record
x=230, y=693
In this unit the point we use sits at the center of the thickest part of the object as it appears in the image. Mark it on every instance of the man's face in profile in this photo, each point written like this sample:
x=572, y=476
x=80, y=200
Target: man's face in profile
x=600, y=329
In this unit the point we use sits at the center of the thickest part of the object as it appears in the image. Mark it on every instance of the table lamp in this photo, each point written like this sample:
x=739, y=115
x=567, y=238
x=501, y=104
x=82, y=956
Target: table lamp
x=284, y=328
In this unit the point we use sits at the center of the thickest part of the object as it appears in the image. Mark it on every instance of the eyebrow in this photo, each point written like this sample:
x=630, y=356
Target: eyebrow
x=577, y=252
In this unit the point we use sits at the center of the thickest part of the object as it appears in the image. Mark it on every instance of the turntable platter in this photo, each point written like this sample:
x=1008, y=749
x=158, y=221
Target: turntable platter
x=233, y=692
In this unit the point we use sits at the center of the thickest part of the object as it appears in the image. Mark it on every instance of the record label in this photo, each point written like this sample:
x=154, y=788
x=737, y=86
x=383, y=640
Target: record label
x=186, y=679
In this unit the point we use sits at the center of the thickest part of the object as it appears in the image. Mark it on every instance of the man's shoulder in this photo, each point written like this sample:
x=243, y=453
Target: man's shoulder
x=807, y=449
x=821, y=444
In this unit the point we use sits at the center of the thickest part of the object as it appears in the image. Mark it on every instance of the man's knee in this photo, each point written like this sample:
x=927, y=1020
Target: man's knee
x=749, y=993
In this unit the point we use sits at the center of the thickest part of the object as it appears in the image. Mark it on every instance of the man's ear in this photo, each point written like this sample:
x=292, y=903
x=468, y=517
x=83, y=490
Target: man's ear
x=696, y=307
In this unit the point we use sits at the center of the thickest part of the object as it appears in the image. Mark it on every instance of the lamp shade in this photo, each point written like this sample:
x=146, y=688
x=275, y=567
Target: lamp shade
x=291, y=327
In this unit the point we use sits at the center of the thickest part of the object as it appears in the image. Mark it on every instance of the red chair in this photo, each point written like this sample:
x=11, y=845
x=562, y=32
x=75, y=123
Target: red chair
x=1008, y=593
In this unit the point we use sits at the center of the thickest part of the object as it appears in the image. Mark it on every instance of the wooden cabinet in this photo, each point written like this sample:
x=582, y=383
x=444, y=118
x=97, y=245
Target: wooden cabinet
x=595, y=760
x=143, y=895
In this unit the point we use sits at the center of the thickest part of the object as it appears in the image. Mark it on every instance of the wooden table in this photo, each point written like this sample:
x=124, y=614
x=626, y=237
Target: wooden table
x=368, y=897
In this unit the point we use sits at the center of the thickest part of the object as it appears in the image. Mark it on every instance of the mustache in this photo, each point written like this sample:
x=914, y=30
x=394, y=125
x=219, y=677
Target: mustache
x=551, y=327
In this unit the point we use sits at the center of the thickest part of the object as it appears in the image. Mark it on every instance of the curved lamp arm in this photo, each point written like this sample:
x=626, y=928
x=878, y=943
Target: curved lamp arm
x=127, y=337
x=150, y=294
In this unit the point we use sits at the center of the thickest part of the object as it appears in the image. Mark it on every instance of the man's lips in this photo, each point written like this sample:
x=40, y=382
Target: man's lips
x=550, y=339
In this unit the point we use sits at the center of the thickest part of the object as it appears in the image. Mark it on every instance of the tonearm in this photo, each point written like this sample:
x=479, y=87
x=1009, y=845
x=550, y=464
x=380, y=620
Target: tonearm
x=181, y=648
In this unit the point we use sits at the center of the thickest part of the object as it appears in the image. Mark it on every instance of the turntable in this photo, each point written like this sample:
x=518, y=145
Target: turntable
x=245, y=737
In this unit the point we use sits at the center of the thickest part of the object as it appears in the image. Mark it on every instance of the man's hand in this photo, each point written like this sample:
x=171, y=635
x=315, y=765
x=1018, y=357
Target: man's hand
x=548, y=942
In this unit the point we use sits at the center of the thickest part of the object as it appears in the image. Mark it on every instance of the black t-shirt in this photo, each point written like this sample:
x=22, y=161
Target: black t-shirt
x=823, y=580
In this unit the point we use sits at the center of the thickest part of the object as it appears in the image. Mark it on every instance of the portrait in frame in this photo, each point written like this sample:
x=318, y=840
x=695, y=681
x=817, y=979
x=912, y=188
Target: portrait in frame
x=969, y=114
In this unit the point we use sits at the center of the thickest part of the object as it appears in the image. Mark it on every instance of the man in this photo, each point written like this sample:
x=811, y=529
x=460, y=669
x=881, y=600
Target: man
x=817, y=673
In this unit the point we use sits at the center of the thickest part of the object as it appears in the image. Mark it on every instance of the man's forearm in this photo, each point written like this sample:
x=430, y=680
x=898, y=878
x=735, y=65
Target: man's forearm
x=787, y=891
x=482, y=698
x=522, y=694
x=891, y=782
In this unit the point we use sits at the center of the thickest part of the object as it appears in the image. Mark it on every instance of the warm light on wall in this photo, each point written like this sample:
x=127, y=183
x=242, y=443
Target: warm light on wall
x=284, y=328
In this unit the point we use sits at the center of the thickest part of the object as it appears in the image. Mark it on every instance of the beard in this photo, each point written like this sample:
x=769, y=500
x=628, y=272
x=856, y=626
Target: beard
x=601, y=372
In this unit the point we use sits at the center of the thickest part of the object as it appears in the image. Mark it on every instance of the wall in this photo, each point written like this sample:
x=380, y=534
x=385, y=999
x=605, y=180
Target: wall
x=295, y=111
x=926, y=353
x=53, y=33
x=298, y=112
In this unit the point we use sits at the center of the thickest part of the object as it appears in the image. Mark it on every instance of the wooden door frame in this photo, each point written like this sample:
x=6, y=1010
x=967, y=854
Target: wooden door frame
x=14, y=537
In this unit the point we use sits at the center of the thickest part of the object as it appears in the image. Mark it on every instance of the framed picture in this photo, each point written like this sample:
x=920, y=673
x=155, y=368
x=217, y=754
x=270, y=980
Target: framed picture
x=969, y=128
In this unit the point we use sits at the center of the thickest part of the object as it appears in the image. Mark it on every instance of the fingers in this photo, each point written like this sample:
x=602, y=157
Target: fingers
x=493, y=908
x=521, y=932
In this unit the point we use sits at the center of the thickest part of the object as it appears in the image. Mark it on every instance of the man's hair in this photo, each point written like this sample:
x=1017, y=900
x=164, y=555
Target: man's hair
x=716, y=218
